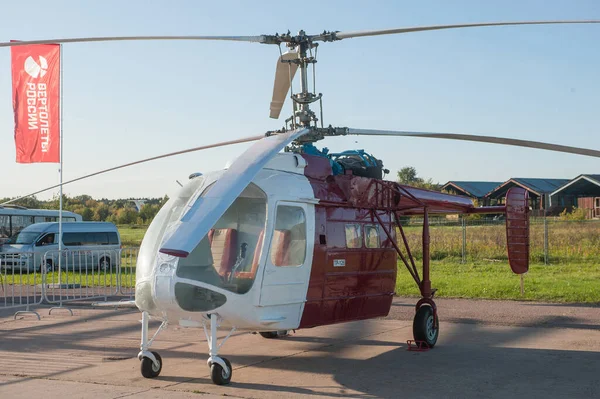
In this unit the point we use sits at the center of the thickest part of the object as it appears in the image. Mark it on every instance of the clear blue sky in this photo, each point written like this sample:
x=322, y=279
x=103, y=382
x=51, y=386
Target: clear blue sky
x=126, y=101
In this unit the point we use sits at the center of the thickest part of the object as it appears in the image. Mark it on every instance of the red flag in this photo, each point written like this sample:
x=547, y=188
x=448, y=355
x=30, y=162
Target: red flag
x=36, y=102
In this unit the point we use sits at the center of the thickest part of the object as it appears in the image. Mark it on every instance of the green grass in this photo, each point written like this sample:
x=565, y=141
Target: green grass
x=131, y=236
x=550, y=283
x=573, y=276
x=494, y=280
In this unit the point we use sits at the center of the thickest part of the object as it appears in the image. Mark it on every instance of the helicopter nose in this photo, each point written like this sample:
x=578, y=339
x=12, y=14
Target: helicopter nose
x=143, y=296
x=193, y=298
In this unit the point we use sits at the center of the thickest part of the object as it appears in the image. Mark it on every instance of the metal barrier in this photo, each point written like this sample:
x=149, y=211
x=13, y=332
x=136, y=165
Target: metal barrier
x=75, y=275
x=56, y=278
x=21, y=282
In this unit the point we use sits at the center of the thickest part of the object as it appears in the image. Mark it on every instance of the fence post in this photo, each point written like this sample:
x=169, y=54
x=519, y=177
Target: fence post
x=464, y=239
x=545, y=239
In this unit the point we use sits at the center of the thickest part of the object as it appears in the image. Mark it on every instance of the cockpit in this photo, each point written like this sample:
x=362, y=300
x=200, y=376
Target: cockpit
x=228, y=256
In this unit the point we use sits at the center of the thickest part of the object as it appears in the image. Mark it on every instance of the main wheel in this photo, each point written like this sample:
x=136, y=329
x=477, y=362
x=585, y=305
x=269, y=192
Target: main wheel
x=425, y=326
x=273, y=334
x=220, y=376
x=148, y=368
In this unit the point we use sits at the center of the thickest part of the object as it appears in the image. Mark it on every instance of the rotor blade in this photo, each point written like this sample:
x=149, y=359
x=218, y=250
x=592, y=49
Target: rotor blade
x=204, y=147
x=208, y=209
x=284, y=74
x=348, y=35
x=481, y=139
x=254, y=39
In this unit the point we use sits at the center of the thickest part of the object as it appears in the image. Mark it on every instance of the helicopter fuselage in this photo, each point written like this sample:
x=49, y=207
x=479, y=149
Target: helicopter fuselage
x=286, y=255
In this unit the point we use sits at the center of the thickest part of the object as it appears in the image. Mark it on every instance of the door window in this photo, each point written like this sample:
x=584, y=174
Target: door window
x=372, y=236
x=288, y=245
x=353, y=236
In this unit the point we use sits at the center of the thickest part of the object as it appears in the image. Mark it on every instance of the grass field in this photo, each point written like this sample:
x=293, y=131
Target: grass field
x=494, y=280
x=491, y=280
x=572, y=276
x=573, y=241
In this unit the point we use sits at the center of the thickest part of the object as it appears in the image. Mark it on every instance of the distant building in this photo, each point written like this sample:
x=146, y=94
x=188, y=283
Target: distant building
x=539, y=192
x=472, y=189
x=581, y=192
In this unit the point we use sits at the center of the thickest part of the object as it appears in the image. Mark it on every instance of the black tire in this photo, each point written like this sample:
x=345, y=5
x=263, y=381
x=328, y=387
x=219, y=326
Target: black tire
x=149, y=370
x=49, y=266
x=425, y=328
x=104, y=264
x=273, y=334
x=218, y=375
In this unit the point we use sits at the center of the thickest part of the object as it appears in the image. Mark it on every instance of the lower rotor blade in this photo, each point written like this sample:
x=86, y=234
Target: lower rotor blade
x=255, y=39
x=481, y=139
x=348, y=35
x=171, y=154
x=208, y=209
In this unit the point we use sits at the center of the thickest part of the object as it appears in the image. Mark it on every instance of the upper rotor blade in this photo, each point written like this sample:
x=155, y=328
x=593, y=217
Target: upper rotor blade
x=208, y=209
x=170, y=154
x=348, y=35
x=255, y=39
x=482, y=139
x=284, y=74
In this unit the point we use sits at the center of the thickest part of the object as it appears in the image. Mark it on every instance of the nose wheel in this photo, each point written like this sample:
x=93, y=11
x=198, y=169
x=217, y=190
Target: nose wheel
x=151, y=368
x=150, y=362
x=220, y=368
x=220, y=375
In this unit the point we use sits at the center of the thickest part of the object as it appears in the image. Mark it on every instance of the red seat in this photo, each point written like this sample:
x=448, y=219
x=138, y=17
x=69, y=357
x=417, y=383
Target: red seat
x=223, y=244
x=280, y=248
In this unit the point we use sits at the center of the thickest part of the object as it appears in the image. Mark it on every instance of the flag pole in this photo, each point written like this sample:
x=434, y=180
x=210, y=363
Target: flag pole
x=60, y=170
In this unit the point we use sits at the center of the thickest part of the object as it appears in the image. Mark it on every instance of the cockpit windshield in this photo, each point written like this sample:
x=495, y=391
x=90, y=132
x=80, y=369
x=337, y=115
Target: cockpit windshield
x=228, y=256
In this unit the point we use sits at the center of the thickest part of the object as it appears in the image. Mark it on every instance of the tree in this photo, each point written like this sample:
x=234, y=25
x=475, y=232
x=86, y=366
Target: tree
x=408, y=175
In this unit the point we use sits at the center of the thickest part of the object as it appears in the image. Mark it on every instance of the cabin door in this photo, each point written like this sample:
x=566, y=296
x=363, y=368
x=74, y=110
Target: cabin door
x=288, y=263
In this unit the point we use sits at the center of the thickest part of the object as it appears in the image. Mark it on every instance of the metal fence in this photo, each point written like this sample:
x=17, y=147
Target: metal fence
x=57, y=278
x=552, y=240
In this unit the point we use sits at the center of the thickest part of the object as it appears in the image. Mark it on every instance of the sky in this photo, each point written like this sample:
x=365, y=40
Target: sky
x=125, y=101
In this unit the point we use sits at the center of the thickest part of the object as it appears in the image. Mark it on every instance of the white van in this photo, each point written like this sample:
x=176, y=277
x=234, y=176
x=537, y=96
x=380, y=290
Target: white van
x=86, y=245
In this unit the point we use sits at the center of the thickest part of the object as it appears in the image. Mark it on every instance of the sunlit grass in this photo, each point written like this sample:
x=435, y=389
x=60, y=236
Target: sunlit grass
x=494, y=280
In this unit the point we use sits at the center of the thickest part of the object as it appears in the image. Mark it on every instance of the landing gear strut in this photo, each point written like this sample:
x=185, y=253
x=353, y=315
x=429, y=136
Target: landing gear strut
x=151, y=362
x=220, y=368
x=426, y=326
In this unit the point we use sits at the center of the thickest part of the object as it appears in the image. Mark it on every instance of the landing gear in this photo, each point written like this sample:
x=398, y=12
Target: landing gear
x=151, y=362
x=220, y=368
x=274, y=334
x=219, y=375
x=149, y=368
x=426, y=326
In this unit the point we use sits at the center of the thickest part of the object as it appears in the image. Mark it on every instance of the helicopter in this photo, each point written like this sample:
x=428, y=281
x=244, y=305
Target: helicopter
x=279, y=241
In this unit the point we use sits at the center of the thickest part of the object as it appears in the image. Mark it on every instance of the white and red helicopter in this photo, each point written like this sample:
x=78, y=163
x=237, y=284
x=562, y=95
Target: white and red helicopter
x=281, y=241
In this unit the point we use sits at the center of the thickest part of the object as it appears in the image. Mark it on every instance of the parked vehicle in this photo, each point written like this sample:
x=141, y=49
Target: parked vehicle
x=15, y=218
x=86, y=245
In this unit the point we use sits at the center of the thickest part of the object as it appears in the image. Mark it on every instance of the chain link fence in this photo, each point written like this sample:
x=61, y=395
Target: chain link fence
x=552, y=240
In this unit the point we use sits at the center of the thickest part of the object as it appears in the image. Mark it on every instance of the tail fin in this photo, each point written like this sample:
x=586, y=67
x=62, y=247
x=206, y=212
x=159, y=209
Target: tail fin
x=517, y=229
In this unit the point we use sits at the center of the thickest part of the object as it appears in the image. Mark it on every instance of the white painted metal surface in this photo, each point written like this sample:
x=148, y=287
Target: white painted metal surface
x=157, y=271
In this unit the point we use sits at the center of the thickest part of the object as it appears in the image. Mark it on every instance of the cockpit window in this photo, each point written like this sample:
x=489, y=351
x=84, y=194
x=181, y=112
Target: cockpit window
x=228, y=256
